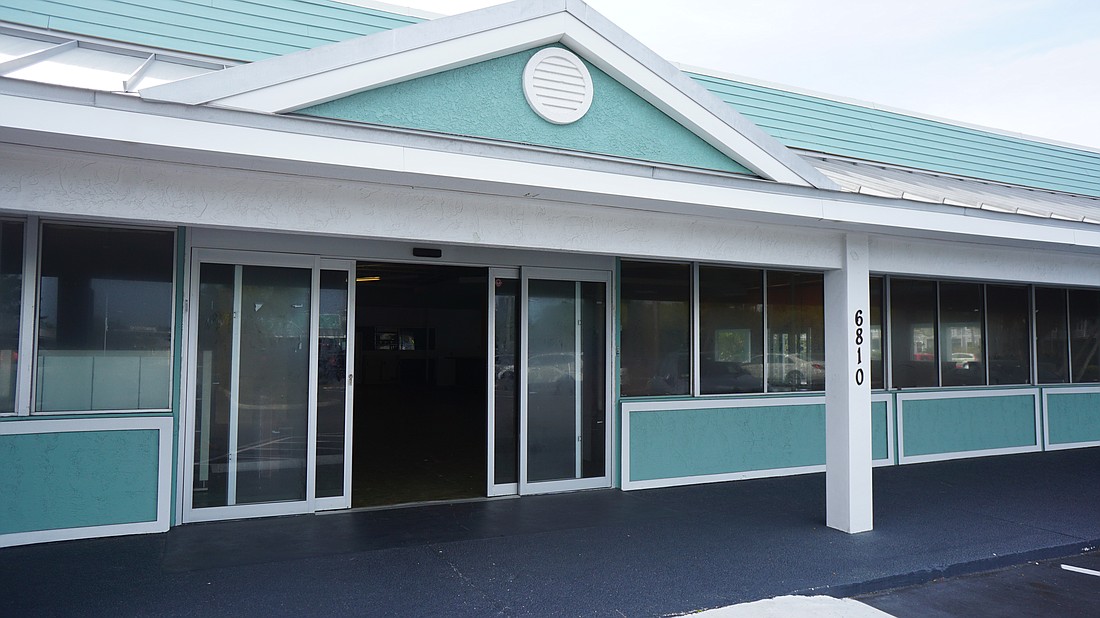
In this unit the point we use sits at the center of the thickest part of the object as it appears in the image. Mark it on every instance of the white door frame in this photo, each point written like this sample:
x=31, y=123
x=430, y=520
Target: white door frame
x=189, y=416
x=554, y=274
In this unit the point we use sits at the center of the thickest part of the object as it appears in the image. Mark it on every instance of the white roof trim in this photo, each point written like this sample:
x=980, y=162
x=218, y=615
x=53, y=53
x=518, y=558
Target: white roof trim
x=302, y=79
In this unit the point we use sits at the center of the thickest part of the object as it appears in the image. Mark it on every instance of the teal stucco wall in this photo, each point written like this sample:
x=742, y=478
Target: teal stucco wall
x=74, y=479
x=669, y=444
x=880, y=431
x=1073, y=417
x=964, y=424
x=486, y=100
x=679, y=443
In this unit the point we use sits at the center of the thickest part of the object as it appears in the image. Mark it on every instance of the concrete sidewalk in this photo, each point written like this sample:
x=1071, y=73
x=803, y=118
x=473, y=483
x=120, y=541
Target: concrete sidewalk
x=644, y=553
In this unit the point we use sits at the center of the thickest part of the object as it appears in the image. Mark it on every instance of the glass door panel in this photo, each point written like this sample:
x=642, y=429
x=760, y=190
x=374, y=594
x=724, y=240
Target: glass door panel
x=564, y=370
x=213, y=361
x=273, y=384
x=553, y=433
x=252, y=386
x=505, y=399
x=333, y=379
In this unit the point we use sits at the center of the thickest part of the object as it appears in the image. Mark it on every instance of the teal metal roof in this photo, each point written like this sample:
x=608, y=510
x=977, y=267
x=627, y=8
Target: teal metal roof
x=847, y=129
x=249, y=30
x=230, y=29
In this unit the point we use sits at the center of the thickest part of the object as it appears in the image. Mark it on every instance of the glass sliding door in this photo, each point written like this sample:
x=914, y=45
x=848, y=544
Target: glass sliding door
x=564, y=377
x=504, y=328
x=336, y=315
x=268, y=392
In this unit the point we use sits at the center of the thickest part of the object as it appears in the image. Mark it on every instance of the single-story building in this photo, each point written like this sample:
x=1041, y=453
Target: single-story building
x=272, y=258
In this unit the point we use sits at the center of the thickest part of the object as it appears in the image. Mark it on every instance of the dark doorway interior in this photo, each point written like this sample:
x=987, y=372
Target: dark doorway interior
x=421, y=362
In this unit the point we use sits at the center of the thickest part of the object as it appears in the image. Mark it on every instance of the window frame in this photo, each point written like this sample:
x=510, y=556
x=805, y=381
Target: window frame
x=26, y=401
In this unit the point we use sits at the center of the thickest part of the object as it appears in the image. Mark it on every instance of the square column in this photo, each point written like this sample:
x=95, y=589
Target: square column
x=848, y=498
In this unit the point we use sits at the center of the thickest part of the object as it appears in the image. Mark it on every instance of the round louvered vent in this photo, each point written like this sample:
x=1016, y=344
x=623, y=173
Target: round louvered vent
x=557, y=85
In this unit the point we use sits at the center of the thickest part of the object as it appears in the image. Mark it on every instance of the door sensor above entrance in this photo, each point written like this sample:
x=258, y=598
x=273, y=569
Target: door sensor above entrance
x=428, y=253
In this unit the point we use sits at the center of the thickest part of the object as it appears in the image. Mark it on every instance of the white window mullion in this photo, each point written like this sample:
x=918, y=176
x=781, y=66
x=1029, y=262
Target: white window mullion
x=234, y=387
x=28, y=320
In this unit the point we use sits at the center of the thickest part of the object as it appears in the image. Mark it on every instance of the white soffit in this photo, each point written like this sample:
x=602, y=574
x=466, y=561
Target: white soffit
x=299, y=80
x=920, y=186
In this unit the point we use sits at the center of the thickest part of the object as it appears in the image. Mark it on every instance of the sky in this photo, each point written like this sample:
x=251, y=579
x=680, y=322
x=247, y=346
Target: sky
x=1025, y=66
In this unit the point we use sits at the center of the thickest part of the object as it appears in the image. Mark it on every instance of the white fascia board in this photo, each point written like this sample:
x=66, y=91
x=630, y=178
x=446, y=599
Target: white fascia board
x=498, y=176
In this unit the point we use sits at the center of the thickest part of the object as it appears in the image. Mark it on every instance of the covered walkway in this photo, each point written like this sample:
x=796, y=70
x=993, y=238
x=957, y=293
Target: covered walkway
x=643, y=553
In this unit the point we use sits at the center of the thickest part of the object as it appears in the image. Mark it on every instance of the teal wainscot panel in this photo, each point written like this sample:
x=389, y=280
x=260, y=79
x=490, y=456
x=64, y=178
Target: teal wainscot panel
x=880, y=431
x=75, y=479
x=964, y=424
x=486, y=100
x=682, y=443
x=1073, y=417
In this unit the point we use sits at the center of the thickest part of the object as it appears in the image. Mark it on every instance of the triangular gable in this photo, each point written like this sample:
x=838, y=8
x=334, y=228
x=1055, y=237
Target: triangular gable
x=331, y=72
x=486, y=100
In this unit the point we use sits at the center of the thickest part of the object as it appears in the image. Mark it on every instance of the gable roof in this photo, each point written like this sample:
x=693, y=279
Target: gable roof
x=811, y=122
x=299, y=80
x=228, y=30
x=819, y=123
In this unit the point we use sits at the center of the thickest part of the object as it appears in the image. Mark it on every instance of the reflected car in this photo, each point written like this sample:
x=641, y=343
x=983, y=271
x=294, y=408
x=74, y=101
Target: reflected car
x=961, y=359
x=790, y=370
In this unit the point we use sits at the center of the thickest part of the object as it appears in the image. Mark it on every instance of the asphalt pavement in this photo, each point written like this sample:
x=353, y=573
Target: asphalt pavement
x=598, y=553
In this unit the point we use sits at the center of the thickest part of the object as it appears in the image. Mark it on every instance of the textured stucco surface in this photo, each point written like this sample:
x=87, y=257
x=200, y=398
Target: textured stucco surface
x=676, y=443
x=73, y=479
x=53, y=183
x=486, y=100
x=1073, y=417
x=935, y=426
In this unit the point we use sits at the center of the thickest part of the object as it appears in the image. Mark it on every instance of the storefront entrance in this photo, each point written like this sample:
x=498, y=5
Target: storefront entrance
x=324, y=384
x=270, y=388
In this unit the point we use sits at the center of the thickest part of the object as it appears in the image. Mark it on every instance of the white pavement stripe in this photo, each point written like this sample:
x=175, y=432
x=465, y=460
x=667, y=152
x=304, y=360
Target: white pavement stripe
x=797, y=607
x=1077, y=569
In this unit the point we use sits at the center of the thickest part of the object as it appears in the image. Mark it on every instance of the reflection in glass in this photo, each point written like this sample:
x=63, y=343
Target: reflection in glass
x=11, y=292
x=1051, y=339
x=731, y=330
x=273, y=388
x=913, y=339
x=796, y=331
x=961, y=350
x=656, y=329
x=877, y=330
x=213, y=371
x=332, y=382
x=105, y=319
x=1084, y=333
x=1009, y=333
x=565, y=380
x=505, y=400
x=257, y=454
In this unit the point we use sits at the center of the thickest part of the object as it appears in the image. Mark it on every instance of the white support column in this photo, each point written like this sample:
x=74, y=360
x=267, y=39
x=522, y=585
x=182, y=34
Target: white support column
x=848, y=503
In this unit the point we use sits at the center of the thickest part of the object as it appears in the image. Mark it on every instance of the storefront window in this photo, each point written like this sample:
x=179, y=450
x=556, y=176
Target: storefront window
x=1084, y=334
x=878, y=373
x=961, y=347
x=795, y=357
x=656, y=329
x=1009, y=331
x=731, y=330
x=1051, y=339
x=104, y=320
x=11, y=290
x=913, y=338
